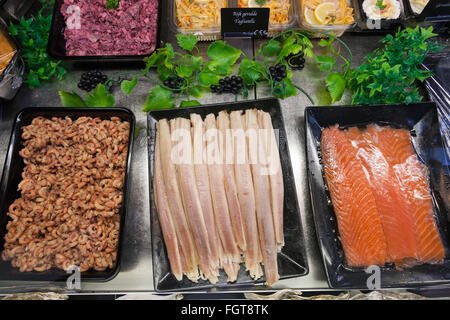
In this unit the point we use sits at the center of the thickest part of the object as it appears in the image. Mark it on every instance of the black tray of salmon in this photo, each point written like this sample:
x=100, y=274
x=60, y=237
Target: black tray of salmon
x=219, y=221
x=379, y=184
x=63, y=194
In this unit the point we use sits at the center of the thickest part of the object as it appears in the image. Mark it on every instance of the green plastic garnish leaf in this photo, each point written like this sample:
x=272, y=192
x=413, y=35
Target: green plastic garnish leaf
x=187, y=41
x=100, y=97
x=326, y=63
x=128, y=86
x=189, y=103
x=336, y=86
x=71, y=100
x=159, y=98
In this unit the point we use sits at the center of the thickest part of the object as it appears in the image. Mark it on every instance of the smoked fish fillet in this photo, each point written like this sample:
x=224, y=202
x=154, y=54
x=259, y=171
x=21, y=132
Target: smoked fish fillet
x=191, y=199
x=165, y=216
x=275, y=176
x=359, y=222
x=230, y=252
x=398, y=223
x=246, y=195
x=412, y=175
x=226, y=152
x=189, y=254
x=261, y=186
x=203, y=187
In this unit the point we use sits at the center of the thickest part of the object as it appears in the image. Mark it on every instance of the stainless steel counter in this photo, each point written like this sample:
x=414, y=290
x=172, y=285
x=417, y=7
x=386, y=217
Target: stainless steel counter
x=136, y=266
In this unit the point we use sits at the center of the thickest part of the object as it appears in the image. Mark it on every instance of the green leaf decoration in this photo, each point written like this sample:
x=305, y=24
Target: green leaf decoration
x=128, y=86
x=207, y=79
x=100, y=98
x=272, y=48
x=251, y=72
x=336, y=86
x=189, y=103
x=196, y=91
x=71, y=99
x=223, y=53
x=159, y=98
x=187, y=41
x=326, y=63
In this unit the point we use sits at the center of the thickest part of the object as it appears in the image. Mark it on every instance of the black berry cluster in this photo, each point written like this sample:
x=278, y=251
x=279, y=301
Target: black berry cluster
x=278, y=72
x=296, y=61
x=228, y=85
x=89, y=80
x=174, y=82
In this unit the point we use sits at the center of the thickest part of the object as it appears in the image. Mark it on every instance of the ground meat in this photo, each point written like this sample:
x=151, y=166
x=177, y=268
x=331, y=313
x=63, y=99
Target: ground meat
x=129, y=30
x=71, y=194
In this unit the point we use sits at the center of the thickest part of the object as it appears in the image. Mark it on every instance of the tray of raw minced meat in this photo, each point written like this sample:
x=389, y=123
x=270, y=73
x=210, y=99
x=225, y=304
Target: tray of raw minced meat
x=63, y=191
x=379, y=179
x=95, y=30
x=224, y=206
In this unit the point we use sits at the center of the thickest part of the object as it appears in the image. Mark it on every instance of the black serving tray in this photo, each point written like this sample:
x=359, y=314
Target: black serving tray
x=420, y=117
x=292, y=261
x=12, y=175
x=56, y=46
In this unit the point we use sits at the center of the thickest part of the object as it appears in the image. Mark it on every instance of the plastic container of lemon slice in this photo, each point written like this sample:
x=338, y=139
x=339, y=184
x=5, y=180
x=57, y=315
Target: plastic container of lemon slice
x=283, y=13
x=334, y=16
x=199, y=17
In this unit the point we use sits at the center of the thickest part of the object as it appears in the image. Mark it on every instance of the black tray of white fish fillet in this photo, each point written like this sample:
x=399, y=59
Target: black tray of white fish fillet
x=291, y=260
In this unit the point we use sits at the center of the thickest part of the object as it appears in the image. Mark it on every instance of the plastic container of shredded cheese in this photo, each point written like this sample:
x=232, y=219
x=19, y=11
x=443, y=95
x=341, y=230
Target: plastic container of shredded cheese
x=199, y=17
x=283, y=13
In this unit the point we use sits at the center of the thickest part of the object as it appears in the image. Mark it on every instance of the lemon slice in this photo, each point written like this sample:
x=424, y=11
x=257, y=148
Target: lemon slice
x=323, y=11
x=309, y=17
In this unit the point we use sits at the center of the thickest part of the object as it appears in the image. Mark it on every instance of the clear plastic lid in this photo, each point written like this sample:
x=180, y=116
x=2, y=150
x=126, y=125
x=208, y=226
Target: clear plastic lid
x=282, y=12
x=200, y=17
x=327, y=15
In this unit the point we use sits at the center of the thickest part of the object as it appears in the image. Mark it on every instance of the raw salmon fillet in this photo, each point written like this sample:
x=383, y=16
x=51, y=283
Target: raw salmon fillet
x=359, y=222
x=398, y=223
x=412, y=175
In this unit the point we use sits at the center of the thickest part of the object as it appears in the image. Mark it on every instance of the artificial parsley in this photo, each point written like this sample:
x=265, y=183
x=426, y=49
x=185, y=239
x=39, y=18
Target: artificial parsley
x=33, y=36
x=389, y=74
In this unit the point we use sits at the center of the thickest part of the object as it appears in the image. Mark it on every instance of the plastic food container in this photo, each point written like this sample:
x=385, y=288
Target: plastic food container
x=309, y=10
x=366, y=23
x=11, y=65
x=282, y=12
x=199, y=17
x=57, y=43
x=12, y=176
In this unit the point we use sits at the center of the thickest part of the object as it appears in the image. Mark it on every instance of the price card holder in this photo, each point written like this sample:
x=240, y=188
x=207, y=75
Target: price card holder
x=245, y=22
x=436, y=10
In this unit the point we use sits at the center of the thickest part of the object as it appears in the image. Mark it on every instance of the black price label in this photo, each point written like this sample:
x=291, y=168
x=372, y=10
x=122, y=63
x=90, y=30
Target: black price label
x=245, y=22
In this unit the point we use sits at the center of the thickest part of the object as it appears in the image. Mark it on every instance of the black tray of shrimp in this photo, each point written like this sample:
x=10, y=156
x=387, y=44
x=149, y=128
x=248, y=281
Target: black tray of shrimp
x=62, y=194
x=223, y=205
